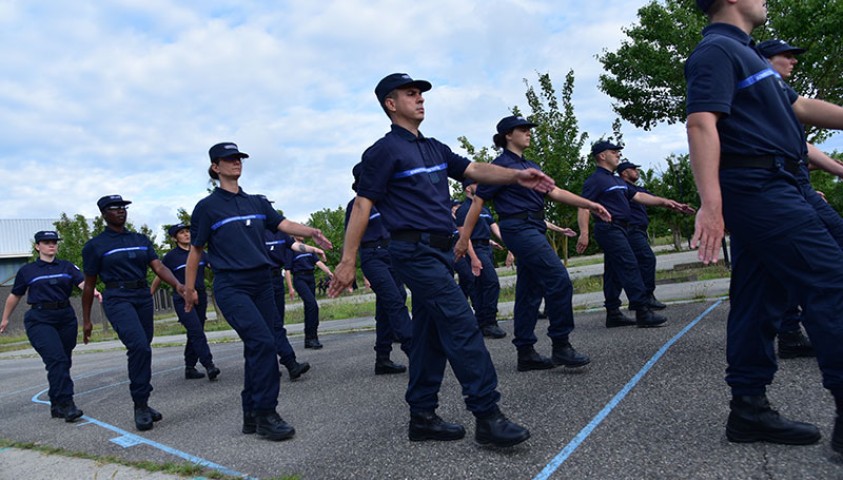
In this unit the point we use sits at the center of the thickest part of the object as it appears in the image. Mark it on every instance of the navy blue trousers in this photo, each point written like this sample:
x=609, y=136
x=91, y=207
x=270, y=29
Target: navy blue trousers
x=540, y=274
x=444, y=330
x=782, y=255
x=620, y=267
x=305, y=286
x=640, y=244
x=196, y=349
x=246, y=300
x=392, y=319
x=466, y=279
x=286, y=354
x=832, y=221
x=130, y=314
x=487, y=288
x=52, y=334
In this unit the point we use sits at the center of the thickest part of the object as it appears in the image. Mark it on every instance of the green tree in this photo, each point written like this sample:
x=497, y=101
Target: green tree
x=675, y=183
x=645, y=74
x=332, y=224
x=74, y=232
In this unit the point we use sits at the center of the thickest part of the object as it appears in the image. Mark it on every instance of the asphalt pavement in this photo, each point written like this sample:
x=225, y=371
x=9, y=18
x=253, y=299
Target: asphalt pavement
x=652, y=404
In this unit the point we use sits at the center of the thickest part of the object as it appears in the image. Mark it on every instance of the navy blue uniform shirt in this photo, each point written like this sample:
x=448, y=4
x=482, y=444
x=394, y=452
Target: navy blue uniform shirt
x=278, y=245
x=482, y=230
x=512, y=199
x=47, y=281
x=298, y=262
x=638, y=212
x=176, y=261
x=611, y=191
x=232, y=226
x=118, y=257
x=375, y=230
x=407, y=177
x=725, y=74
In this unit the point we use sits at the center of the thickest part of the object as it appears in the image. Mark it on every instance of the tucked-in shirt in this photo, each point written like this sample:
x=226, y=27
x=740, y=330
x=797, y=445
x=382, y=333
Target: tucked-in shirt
x=725, y=74
x=47, y=281
x=232, y=226
x=482, y=229
x=375, y=230
x=277, y=245
x=609, y=190
x=176, y=261
x=118, y=256
x=512, y=199
x=407, y=177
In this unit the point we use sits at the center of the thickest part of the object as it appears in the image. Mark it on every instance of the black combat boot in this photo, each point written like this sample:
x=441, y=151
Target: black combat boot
x=645, y=318
x=795, y=344
x=564, y=354
x=213, y=372
x=297, y=369
x=429, y=426
x=190, y=373
x=143, y=417
x=249, y=424
x=492, y=330
x=498, y=431
x=385, y=366
x=271, y=426
x=614, y=318
x=529, y=359
x=753, y=420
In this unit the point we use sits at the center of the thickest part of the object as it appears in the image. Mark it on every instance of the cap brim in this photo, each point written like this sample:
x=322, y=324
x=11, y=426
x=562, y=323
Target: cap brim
x=422, y=85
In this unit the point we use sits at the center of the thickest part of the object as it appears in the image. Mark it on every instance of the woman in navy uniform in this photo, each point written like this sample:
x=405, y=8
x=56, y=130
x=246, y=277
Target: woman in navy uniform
x=196, y=349
x=50, y=323
x=120, y=258
x=301, y=264
x=540, y=271
x=231, y=222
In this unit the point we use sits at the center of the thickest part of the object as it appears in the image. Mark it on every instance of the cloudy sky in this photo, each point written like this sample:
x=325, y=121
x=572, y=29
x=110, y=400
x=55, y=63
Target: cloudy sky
x=126, y=96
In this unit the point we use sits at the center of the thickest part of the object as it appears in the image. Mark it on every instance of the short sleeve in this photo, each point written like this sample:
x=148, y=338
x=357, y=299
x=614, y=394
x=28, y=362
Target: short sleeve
x=710, y=80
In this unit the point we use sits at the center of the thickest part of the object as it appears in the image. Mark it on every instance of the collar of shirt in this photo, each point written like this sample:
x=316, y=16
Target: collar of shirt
x=405, y=134
x=225, y=194
x=730, y=31
x=42, y=263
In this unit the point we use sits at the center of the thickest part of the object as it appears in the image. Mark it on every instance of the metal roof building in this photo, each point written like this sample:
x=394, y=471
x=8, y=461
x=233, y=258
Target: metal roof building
x=16, y=243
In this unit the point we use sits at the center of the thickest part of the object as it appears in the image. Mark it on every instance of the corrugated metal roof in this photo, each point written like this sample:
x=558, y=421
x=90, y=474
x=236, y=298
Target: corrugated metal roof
x=16, y=235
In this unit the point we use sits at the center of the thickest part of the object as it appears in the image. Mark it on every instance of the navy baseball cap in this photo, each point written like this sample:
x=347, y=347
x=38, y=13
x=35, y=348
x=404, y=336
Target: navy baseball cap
x=626, y=164
x=507, y=124
x=704, y=5
x=109, y=200
x=602, y=146
x=771, y=48
x=46, y=235
x=173, y=230
x=225, y=149
x=398, y=80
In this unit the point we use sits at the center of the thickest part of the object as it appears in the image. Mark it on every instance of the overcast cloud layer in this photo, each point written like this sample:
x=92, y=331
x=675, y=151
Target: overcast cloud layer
x=127, y=96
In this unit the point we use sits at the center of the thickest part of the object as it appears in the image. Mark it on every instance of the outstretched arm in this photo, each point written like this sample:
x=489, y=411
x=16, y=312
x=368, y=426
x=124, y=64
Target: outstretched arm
x=495, y=175
x=294, y=228
x=653, y=201
x=574, y=200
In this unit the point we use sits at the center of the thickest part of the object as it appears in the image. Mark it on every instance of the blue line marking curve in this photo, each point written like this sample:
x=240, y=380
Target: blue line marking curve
x=127, y=439
x=569, y=449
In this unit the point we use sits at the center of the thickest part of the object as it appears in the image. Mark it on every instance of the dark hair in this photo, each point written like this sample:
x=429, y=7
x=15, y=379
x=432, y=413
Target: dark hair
x=499, y=139
x=393, y=95
x=211, y=171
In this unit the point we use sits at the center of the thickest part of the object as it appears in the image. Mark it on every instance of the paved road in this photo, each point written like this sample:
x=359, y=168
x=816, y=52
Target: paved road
x=644, y=408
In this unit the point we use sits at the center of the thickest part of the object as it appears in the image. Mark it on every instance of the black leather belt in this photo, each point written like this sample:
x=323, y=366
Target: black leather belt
x=481, y=241
x=382, y=243
x=524, y=216
x=442, y=242
x=763, y=161
x=131, y=284
x=51, y=305
x=622, y=223
x=276, y=272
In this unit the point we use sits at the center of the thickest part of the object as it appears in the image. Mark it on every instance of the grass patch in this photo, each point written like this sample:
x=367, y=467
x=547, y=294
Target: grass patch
x=182, y=469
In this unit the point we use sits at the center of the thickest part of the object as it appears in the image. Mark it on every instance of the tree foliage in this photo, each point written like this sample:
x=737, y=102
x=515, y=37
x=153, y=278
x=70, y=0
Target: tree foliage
x=645, y=74
x=332, y=224
x=675, y=183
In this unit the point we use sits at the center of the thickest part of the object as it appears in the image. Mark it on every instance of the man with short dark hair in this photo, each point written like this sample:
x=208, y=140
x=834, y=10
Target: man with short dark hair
x=405, y=175
x=746, y=146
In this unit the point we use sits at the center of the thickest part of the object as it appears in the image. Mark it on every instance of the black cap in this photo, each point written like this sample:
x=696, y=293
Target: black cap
x=109, y=200
x=626, y=164
x=225, y=149
x=507, y=124
x=46, y=235
x=704, y=5
x=602, y=146
x=771, y=48
x=173, y=230
x=398, y=80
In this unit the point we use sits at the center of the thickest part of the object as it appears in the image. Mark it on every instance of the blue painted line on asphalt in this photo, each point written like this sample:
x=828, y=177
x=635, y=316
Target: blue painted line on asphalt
x=127, y=439
x=572, y=446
